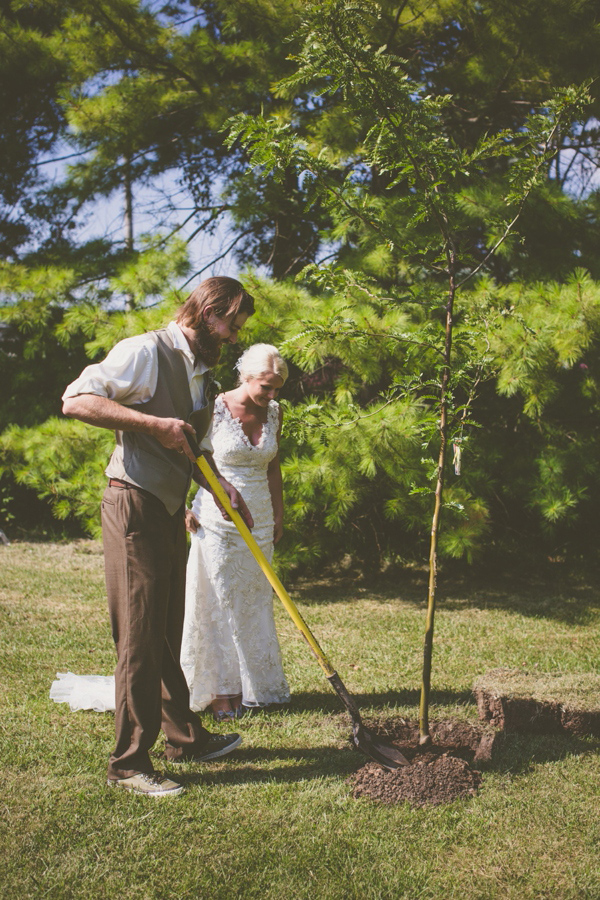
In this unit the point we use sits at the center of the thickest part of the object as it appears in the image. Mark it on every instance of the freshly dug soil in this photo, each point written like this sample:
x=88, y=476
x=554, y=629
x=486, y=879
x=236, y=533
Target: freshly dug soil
x=438, y=773
x=430, y=780
x=518, y=701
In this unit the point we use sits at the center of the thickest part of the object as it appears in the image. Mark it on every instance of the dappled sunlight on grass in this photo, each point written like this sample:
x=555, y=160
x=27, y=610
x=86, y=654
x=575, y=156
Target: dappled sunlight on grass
x=277, y=818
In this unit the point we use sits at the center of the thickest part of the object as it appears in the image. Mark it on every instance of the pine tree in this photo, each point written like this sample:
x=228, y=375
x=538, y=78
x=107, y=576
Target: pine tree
x=423, y=227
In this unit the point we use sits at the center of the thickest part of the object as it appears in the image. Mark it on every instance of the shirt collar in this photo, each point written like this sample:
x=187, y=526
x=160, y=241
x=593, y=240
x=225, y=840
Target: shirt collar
x=180, y=342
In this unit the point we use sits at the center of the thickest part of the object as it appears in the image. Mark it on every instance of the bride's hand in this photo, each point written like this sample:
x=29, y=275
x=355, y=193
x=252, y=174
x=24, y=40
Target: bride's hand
x=191, y=522
x=237, y=501
x=277, y=532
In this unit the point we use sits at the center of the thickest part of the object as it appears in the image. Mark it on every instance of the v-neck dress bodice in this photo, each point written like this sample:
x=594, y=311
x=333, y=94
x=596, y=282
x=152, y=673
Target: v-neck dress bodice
x=230, y=645
x=245, y=466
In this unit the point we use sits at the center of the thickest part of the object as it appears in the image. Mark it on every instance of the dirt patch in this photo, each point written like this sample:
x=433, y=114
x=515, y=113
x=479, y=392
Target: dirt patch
x=445, y=770
x=429, y=781
x=518, y=701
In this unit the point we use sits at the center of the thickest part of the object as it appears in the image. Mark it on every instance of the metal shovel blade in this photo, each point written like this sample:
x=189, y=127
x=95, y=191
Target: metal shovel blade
x=364, y=740
x=379, y=751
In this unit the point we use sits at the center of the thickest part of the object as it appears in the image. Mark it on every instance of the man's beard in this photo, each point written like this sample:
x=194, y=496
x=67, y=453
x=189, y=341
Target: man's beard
x=207, y=345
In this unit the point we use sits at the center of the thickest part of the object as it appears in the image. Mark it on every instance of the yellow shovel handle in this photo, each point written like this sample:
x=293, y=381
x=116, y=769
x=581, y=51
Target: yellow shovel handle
x=263, y=562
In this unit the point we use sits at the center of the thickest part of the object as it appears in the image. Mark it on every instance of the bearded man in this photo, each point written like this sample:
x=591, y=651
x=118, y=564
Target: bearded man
x=153, y=390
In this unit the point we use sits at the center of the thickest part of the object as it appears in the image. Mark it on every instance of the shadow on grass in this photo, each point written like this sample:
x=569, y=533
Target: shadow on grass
x=555, y=595
x=563, y=599
x=257, y=765
x=515, y=753
x=330, y=703
x=519, y=754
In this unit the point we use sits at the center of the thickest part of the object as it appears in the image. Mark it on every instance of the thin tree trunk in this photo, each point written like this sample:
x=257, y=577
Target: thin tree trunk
x=424, y=735
x=130, y=300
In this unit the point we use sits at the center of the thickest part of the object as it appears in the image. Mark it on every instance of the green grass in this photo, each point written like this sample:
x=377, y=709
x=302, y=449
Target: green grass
x=577, y=691
x=277, y=819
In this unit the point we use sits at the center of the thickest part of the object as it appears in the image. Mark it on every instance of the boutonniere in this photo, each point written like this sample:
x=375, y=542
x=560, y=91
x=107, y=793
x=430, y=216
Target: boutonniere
x=212, y=387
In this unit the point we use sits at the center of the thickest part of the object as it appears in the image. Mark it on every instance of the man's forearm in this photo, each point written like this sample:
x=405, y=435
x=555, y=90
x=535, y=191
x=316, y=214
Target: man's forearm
x=104, y=413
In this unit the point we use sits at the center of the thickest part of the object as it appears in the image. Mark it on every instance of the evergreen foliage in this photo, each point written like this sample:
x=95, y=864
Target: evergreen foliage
x=63, y=462
x=335, y=103
x=426, y=171
x=421, y=237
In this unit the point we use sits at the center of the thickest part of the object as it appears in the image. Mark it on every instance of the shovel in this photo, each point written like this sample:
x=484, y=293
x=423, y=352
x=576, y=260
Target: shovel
x=379, y=751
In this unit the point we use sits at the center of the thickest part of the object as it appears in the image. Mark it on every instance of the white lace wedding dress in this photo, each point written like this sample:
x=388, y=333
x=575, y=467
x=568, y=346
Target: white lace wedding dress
x=95, y=692
x=230, y=645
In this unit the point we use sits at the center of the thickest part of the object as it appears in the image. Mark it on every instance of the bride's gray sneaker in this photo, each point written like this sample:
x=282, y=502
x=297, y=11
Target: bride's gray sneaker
x=151, y=785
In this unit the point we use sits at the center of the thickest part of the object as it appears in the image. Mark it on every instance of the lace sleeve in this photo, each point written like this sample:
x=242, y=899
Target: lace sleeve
x=218, y=413
x=273, y=415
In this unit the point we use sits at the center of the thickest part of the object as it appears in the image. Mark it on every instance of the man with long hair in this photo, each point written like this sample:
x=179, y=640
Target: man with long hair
x=153, y=390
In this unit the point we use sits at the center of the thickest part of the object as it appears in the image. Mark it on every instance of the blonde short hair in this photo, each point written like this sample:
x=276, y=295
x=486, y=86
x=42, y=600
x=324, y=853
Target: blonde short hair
x=261, y=359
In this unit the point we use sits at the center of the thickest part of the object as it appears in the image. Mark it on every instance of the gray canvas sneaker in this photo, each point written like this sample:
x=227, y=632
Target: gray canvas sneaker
x=214, y=746
x=151, y=785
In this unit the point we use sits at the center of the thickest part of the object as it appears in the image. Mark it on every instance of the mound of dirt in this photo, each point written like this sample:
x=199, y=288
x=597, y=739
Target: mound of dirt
x=429, y=781
x=438, y=773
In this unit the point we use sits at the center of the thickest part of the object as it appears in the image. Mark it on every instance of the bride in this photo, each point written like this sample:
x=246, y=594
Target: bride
x=230, y=652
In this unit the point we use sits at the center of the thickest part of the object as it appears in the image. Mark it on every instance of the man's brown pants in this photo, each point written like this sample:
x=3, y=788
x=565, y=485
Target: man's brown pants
x=145, y=552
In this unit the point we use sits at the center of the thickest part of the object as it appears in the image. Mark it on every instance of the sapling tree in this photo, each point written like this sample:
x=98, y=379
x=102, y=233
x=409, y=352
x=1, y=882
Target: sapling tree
x=409, y=198
x=426, y=222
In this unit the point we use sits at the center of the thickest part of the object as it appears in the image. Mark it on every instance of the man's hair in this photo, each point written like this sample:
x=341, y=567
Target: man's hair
x=225, y=295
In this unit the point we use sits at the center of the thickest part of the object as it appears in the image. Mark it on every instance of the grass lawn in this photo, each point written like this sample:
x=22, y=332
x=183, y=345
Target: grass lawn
x=277, y=820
